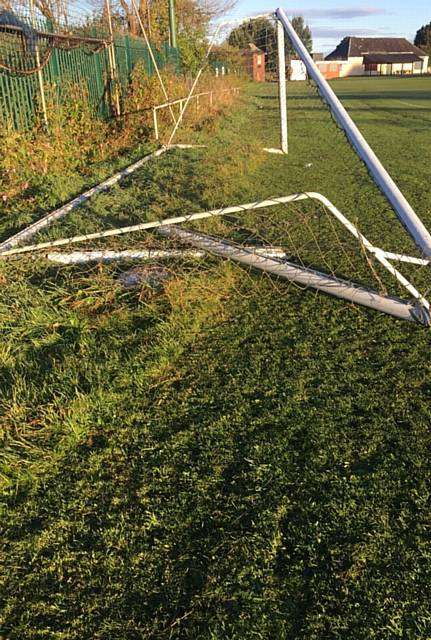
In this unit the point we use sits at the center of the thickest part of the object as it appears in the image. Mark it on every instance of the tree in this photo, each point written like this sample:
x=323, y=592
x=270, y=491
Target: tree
x=303, y=32
x=262, y=33
x=190, y=14
x=423, y=38
x=216, y=8
x=192, y=28
x=152, y=13
x=192, y=17
x=54, y=10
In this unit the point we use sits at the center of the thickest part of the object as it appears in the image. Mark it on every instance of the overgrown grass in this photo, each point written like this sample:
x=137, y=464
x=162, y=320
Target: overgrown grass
x=40, y=170
x=227, y=458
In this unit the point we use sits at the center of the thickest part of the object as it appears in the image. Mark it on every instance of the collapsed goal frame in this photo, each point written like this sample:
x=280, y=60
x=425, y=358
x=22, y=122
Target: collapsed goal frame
x=415, y=307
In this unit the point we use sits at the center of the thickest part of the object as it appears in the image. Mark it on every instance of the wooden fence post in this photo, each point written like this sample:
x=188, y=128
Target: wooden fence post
x=39, y=72
x=112, y=62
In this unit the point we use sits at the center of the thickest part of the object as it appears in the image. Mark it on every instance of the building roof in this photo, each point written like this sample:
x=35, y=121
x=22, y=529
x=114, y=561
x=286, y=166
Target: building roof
x=391, y=58
x=353, y=47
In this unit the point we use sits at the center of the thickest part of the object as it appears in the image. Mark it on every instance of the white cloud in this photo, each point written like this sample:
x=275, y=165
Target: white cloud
x=332, y=33
x=345, y=13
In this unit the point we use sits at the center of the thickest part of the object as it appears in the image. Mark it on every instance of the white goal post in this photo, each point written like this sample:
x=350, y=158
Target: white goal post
x=381, y=177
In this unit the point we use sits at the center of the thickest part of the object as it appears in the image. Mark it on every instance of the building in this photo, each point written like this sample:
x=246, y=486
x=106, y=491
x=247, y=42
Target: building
x=378, y=56
x=254, y=62
x=296, y=70
x=330, y=69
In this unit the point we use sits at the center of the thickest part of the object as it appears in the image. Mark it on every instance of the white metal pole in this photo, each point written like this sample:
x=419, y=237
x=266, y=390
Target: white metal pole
x=109, y=255
x=302, y=275
x=156, y=126
x=402, y=208
x=282, y=87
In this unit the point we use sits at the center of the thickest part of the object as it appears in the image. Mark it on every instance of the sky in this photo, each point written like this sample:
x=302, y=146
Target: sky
x=331, y=21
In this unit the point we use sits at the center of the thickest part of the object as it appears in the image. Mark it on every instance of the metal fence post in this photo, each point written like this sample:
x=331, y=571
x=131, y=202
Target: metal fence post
x=54, y=62
x=156, y=127
x=172, y=24
x=98, y=75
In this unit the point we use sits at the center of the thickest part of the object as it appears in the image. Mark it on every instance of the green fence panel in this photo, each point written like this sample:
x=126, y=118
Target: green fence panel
x=129, y=50
x=123, y=60
x=17, y=99
x=19, y=95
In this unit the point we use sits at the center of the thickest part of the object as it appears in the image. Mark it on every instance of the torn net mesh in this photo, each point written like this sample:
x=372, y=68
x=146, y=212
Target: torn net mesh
x=300, y=233
x=28, y=38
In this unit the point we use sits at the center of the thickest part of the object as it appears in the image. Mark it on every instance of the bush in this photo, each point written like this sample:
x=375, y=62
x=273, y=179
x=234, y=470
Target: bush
x=77, y=139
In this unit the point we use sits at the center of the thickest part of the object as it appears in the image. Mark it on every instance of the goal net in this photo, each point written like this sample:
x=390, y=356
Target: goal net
x=336, y=225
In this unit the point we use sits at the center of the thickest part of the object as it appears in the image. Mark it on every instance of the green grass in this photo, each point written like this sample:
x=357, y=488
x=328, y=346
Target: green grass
x=230, y=458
